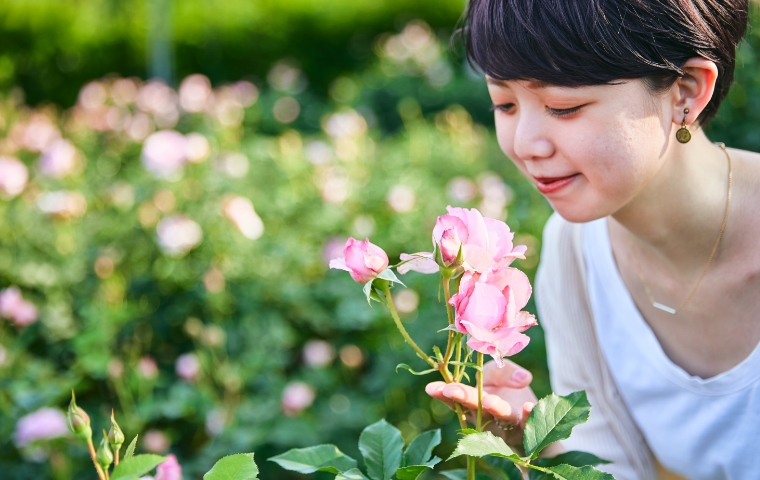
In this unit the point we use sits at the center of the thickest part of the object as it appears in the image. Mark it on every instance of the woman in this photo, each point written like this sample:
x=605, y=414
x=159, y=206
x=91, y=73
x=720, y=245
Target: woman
x=649, y=278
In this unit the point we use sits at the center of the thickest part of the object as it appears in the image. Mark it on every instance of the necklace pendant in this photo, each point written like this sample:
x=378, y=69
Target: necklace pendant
x=664, y=308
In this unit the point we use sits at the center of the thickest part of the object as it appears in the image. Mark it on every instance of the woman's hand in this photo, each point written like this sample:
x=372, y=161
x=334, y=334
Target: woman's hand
x=507, y=399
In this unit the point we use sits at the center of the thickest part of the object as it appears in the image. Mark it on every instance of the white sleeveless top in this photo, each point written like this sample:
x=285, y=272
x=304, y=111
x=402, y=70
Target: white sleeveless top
x=702, y=429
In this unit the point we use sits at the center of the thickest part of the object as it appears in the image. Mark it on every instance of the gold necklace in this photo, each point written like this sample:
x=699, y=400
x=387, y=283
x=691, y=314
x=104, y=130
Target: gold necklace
x=666, y=308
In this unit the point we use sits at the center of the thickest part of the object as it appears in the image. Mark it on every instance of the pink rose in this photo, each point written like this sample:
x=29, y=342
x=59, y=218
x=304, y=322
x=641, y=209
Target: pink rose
x=44, y=424
x=164, y=154
x=58, y=159
x=13, y=176
x=488, y=308
x=363, y=260
x=170, y=469
x=188, y=367
x=15, y=308
x=297, y=396
x=486, y=243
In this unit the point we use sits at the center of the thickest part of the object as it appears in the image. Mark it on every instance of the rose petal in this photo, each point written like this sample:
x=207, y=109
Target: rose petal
x=419, y=262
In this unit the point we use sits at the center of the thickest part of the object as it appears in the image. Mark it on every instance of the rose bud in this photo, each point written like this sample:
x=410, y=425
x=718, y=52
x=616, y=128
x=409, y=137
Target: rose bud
x=78, y=421
x=115, y=435
x=104, y=455
x=363, y=260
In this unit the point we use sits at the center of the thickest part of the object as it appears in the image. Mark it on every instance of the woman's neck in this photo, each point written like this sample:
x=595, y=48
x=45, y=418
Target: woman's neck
x=677, y=217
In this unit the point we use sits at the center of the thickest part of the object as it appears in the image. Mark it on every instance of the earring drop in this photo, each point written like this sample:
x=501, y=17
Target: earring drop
x=683, y=134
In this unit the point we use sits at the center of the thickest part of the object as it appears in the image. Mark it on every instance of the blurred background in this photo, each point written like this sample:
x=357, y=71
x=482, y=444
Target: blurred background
x=174, y=177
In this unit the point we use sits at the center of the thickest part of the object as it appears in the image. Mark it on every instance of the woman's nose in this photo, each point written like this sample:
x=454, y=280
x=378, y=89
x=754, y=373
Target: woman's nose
x=530, y=141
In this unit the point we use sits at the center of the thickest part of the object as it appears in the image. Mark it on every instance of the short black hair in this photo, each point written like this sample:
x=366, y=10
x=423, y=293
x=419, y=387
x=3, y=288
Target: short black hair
x=592, y=42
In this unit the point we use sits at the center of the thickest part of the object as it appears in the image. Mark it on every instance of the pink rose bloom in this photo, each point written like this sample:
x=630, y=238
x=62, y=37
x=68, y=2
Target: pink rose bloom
x=58, y=159
x=188, y=367
x=296, y=397
x=164, y=154
x=363, y=260
x=44, y=424
x=488, y=308
x=13, y=176
x=177, y=235
x=169, y=469
x=16, y=309
x=486, y=243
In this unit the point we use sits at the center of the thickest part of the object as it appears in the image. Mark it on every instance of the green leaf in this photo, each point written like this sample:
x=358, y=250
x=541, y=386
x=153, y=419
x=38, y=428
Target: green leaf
x=553, y=419
x=130, y=448
x=421, y=448
x=135, y=467
x=482, y=444
x=411, y=472
x=568, y=472
x=573, y=458
x=388, y=274
x=320, y=458
x=461, y=474
x=234, y=467
x=353, y=474
x=466, y=431
x=407, y=367
x=506, y=469
x=381, y=446
x=370, y=293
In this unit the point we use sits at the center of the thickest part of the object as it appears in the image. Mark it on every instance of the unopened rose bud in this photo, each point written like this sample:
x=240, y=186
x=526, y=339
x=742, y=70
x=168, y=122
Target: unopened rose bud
x=115, y=435
x=78, y=420
x=104, y=455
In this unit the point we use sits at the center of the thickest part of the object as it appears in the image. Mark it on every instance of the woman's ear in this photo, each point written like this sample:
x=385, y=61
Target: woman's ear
x=694, y=90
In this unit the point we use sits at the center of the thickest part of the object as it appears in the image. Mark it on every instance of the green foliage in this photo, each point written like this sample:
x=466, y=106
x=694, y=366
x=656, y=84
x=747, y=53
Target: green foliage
x=567, y=472
x=552, y=419
x=234, y=467
x=131, y=448
x=381, y=446
x=573, y=459
x=481, y=444
x=135, y=467
x=320, y=458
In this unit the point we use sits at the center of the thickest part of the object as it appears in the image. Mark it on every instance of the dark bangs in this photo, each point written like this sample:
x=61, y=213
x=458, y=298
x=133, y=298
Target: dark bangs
x=591, y=42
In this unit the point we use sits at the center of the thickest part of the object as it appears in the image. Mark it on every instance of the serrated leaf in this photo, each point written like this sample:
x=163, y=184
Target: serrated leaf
x=420, y=449
x=482, y=444
x=461, y=474
x=411, y=472
x=573, y=458
x=407, y=367
x=466, y=431
x=240, y=466
x=136, y=466
x=131, y=448
x=381, y=445
x=568, y=472
x=353, y=474
x=553, y=419
x=388, y=274
x=320, y=458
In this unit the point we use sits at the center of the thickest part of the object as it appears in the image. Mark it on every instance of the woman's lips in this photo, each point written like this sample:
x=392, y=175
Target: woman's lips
x=547, y=185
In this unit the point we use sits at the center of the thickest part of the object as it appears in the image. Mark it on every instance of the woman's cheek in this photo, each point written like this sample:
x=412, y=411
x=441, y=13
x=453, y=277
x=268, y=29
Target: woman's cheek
x=505, y=136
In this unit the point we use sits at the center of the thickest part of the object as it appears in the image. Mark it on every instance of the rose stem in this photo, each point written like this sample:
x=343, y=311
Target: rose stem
x=394, y=314
x=91, y=448
x=470, y=468
x=450, y=344
x=480, y=392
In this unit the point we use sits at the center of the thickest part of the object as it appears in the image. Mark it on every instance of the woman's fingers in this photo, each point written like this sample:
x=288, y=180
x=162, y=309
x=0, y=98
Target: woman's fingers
x=511, y=375
x=435, y=390
x=465, y=395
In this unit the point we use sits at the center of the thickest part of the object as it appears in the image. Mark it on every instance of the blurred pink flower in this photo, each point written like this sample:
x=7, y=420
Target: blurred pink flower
x=155, y=441
x=296, y=397
x=488, y=308
x=38, y=132
x=93, y=95
x=147, y=368
x=170, y=469
x=401, y=198
x=363, y=260
x=15, y=308
x=178, y=234
x=124, y=91
x=188, y=366
x=318, y=353
x=333, y=249
x=58, y=159
x=164, y=154
x=247, y=93
x=44, y=424
x=194, y=93
x=13, y=176
x=63, y=203
x=240, y=211
x=197, y=147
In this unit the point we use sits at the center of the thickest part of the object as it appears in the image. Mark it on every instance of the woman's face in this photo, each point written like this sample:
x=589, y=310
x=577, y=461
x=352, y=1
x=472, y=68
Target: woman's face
x=590, y=150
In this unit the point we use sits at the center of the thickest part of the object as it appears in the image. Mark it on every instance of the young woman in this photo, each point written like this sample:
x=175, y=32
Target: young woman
x=649, y=282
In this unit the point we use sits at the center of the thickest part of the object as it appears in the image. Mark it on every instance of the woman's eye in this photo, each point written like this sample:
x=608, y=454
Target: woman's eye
x=557, y=112
x=504, y=107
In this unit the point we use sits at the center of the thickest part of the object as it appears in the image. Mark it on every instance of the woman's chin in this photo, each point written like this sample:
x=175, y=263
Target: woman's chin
x=578, y=212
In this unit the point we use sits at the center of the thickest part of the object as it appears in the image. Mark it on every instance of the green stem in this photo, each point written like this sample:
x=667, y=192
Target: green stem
x=93, y=456
x=394, y=314
x=480, y=392
x=470, y=468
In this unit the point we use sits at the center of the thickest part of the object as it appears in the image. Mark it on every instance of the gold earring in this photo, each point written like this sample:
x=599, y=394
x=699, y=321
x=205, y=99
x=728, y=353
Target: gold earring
x=683, y=134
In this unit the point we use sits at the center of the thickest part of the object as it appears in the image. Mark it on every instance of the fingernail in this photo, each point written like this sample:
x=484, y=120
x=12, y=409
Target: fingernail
x=454, y=394
x=433, y=388
x=520, y=375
